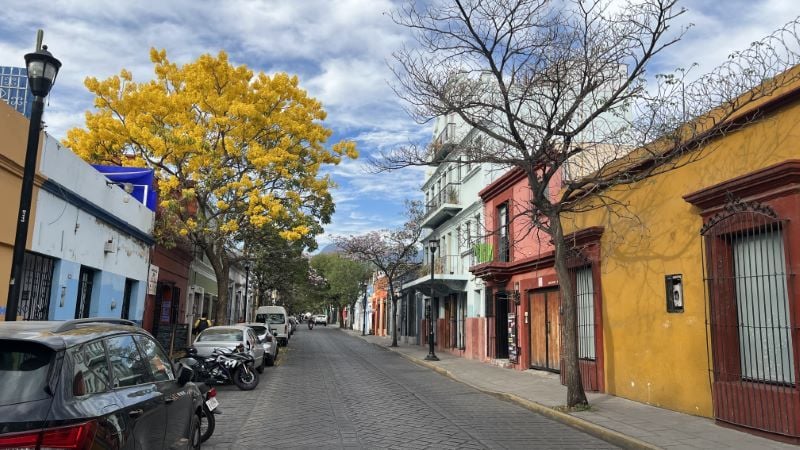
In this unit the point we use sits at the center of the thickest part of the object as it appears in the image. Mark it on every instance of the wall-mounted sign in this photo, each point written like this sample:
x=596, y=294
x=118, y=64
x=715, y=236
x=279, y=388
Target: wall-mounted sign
x=152, y=280
x=513, y=349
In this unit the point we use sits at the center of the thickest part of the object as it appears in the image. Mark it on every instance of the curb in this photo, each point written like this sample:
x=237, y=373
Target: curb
x=606, y=434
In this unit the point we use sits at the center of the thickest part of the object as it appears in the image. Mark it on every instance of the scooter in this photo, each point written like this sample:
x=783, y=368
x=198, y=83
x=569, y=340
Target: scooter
x=310, y=324
x=207, y=412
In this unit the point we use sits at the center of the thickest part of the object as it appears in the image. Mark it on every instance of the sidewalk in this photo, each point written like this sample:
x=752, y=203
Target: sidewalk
x=622, y=422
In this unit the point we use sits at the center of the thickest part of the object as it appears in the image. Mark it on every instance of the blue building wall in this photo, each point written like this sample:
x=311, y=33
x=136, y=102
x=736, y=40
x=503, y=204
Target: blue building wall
x=14, y=89
x=64, y=293
x=108, y=293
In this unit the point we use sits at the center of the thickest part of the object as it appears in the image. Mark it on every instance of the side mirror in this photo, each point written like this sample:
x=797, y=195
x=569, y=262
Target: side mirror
x=184, y=375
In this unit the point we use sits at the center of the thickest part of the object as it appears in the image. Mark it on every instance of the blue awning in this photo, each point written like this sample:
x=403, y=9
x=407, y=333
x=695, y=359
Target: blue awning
x=140, y=179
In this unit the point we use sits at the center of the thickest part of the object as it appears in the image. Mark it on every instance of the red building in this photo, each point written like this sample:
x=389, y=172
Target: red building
x=165, y=314
x=516, y=264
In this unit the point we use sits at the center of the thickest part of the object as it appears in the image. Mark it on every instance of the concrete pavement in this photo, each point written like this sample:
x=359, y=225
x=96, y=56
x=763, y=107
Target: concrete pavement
x=622, y=422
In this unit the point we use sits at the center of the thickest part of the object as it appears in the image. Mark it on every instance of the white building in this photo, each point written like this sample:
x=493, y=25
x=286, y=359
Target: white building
x=453, y=212
x=90, y=246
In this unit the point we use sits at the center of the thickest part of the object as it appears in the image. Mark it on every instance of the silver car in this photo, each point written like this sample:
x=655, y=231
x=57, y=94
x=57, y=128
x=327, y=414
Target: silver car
x=268, y=341
x=228, y=337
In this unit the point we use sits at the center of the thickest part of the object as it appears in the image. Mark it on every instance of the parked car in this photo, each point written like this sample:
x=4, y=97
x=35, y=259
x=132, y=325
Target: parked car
x=93, y=383
x=228, y=337
x=321, y=319
x=268, y=341
x=276, y=318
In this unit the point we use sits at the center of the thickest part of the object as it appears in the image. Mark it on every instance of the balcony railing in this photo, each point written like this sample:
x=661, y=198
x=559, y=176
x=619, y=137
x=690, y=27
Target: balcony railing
x=443, y=142
x=444, y=265
x=449, y=194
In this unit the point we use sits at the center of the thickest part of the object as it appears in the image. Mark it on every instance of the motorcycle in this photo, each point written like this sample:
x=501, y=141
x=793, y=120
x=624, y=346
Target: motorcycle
x=310, y=324
x=223, y=366
x=209, y=409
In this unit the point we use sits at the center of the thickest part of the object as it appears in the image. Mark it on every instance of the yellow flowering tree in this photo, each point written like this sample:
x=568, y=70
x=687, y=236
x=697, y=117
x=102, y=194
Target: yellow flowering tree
x=234, y=151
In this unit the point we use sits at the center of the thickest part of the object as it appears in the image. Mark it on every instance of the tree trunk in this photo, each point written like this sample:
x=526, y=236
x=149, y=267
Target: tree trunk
x=575, y=393
x=221, y=270
x=393, y=313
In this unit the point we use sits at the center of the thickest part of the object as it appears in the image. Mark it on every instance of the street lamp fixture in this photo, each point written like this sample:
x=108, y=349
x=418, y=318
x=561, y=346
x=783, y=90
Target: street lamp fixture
x=433, y=244
x=42, y=70
x=364, y=309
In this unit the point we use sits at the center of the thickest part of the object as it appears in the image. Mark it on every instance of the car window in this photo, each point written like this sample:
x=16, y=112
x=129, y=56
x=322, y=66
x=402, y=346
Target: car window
x=259, y=329
x=24, y=366
x=220, y=335
x=275, y=318
x=158, y=362
x=127, y=365
x=90, y=374
x=252, y=337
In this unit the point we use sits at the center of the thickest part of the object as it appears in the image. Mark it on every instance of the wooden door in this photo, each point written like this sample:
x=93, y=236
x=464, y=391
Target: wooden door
x=553, y=330
x=545, y=329
x=538, y=329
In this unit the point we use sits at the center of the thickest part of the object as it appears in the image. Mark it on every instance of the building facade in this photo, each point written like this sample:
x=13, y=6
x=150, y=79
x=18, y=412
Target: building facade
x=515, y=261
x=14, y=89
x=696, y=300
x=454, y=214
x=90, y=243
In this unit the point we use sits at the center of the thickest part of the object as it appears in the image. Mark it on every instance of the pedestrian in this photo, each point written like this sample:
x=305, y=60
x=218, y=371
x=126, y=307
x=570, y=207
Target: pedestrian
x=200, y=324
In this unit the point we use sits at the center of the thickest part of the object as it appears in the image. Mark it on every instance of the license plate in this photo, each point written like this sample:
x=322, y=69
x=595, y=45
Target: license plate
x=212, y=403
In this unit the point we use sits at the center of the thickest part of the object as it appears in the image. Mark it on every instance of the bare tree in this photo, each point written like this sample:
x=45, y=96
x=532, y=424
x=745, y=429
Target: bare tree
x=393, y=252
x=559, y=89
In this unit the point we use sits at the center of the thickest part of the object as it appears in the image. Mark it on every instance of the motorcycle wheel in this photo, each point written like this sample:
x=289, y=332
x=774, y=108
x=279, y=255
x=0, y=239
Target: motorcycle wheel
x=207, y=423
x=245, y=378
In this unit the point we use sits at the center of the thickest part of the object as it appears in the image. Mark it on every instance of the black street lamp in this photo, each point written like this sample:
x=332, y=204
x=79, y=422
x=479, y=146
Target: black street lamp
x=247, y=292
x=433, y=244
x=42, y=70
x=364, y=309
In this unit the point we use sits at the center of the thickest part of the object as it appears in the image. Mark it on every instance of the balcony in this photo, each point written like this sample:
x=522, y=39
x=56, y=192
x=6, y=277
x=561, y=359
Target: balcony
x=443, y=144
x=450, y=274
x=444, y=205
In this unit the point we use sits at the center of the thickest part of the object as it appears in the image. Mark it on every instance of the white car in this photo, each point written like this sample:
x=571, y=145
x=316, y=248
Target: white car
x=268, y=341
x=229, y=337
x=321, y=319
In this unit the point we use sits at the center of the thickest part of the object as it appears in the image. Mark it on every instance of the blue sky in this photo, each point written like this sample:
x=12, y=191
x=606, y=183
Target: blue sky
x=338, y=48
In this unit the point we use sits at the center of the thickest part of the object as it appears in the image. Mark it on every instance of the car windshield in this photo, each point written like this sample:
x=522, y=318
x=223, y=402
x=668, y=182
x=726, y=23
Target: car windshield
x=220, y=335
x=24, y=366
x=270, y=318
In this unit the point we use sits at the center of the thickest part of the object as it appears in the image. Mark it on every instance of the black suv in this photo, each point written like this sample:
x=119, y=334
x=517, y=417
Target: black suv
x=92, y=383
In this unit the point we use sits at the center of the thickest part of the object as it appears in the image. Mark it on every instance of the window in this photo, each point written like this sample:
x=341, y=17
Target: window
x=127, y=365
x=223, y=334
x=157, y=361
x=584, y=290
x=503, y=251
x=24, y=366
x=762, y=305
x=90, y=369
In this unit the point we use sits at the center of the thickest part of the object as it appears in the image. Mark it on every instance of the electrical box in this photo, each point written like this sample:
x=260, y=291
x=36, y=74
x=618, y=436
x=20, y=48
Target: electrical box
x=674, y=291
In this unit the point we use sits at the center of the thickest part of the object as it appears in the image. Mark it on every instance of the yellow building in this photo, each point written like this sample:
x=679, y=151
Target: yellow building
x=14, y=134
x=698, y=296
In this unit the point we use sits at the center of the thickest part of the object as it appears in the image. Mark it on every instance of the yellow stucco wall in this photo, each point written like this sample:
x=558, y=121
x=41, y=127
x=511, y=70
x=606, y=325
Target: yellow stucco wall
x=652, y=356
x=13, y=141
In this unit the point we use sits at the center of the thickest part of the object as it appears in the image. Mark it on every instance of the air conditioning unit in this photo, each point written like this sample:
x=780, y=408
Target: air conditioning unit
x=110, y=246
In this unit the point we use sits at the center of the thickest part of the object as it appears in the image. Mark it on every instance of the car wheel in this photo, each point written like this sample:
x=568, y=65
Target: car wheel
x=263, y=364
x=270, y=360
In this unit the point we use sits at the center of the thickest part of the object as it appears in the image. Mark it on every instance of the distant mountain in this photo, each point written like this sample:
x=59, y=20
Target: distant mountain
x=330, y=248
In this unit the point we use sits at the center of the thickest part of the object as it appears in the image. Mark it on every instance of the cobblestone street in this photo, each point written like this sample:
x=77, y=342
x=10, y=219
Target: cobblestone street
x=330, y=390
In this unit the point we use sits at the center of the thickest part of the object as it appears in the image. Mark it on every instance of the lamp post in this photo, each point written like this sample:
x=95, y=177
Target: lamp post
x=42, y=70
x=246, y=293
x=433, y=244
x=364, y=309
